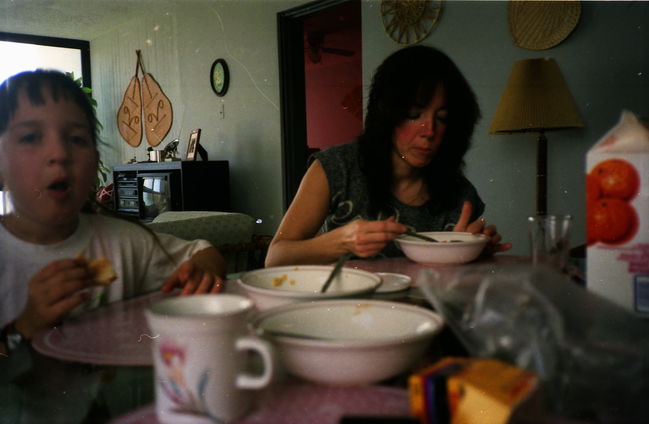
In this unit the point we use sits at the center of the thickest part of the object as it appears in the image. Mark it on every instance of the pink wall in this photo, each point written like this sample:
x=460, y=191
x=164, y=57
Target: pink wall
x=334, y=103
x=333, y=76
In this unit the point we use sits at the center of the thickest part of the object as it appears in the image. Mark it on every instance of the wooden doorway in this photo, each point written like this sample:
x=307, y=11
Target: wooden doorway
x=320, y=66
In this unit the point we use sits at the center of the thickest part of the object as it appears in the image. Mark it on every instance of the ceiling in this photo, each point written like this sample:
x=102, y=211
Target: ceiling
x=79, y=19
x=87, y=19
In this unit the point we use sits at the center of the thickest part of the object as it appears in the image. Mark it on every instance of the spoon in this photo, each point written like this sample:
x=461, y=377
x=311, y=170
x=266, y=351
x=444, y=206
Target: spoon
x=335, y=271
x=421, y=236
x=277, y=333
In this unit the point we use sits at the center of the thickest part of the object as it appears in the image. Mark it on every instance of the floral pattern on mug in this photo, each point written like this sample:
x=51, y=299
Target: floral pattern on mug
x=186, y=400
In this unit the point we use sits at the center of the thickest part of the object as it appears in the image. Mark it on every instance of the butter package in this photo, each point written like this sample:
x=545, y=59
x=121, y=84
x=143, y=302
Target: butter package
x=617, y=215
x=427, y=390
x=489, y=391
x=471, y=390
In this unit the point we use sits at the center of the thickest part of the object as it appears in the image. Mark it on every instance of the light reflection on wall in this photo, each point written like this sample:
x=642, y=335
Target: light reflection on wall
x=5, y=204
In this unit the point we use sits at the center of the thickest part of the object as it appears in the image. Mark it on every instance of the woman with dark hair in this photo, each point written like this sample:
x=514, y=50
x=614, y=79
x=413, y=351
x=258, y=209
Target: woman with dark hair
x=405, y=171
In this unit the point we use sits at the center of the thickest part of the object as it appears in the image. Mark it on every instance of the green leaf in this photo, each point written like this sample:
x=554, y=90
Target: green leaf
x=103, y=171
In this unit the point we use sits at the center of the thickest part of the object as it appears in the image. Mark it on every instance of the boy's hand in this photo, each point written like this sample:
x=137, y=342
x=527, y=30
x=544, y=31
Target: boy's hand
x=53, y=292
x=193, y=280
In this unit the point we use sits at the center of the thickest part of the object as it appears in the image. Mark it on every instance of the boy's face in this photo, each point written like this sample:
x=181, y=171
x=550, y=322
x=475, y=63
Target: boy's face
x=48, y=161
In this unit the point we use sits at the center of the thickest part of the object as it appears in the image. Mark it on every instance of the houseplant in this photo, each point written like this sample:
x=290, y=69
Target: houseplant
x=104, y=192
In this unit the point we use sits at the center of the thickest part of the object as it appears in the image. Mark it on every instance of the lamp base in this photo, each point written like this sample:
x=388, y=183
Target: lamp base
x=541, y=174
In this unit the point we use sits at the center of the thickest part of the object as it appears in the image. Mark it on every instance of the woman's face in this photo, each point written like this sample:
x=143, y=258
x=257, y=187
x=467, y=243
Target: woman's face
x=417, y=139
x=48, y=160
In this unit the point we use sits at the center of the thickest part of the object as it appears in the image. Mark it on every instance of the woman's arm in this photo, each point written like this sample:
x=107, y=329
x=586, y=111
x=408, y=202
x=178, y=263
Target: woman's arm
x=297, y=240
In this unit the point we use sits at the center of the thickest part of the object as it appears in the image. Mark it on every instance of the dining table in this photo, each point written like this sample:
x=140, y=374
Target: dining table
x=97, y=368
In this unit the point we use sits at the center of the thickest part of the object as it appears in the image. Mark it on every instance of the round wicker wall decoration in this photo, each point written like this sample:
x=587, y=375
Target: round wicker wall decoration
x=409, y=21
x=540, y=25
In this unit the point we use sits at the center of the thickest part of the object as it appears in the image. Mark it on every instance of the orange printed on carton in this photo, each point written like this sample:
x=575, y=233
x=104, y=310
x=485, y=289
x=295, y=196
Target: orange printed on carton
x=617, y=215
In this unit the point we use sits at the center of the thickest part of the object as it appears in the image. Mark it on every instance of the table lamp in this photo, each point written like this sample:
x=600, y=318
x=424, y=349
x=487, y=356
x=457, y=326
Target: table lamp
x=536, y=99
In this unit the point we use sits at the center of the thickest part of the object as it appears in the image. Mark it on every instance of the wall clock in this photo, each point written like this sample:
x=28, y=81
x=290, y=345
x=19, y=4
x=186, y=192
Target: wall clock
x=409, y=21
x=220, y=77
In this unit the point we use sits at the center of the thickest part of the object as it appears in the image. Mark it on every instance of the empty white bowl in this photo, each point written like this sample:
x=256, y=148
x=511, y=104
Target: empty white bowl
x=274, y=286
x=348, y=342
x=453, y=247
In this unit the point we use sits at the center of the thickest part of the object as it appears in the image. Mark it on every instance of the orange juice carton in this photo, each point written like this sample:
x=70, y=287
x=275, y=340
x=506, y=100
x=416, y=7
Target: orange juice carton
x=617, y=215
x=471, y=390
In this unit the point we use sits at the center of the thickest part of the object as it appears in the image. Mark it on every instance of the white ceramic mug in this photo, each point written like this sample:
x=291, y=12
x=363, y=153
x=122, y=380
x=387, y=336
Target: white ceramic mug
x=200, y=358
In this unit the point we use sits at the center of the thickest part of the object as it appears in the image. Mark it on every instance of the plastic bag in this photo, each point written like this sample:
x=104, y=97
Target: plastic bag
x=592, y=355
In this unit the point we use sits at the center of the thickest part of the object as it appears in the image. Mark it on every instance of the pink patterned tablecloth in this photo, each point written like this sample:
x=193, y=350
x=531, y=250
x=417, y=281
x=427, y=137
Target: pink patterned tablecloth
x=301, y=403
x=116, y=334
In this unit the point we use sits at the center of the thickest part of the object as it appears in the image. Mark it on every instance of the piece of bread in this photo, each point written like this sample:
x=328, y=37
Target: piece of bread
x=101, y=270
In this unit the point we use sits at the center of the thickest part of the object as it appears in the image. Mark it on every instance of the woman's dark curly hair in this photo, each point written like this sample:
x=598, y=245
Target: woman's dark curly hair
x=60, y=86
x=405, y=79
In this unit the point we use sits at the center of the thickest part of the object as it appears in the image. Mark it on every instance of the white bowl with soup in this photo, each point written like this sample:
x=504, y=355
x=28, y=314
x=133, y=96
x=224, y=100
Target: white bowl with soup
x=274, y=286
x=453, y=247
x=346, y=342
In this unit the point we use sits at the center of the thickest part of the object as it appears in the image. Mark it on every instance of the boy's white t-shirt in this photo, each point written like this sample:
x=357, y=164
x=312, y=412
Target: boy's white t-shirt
x=140, y=263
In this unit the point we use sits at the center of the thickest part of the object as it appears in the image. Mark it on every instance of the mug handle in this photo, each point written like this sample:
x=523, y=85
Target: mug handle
x=265, y=350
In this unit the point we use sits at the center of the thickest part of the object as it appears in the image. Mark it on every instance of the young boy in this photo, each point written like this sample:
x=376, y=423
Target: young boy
x=48, y=165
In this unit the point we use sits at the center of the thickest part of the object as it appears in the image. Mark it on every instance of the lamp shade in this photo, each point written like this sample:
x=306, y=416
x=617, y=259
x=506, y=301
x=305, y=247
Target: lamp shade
x=536, y=98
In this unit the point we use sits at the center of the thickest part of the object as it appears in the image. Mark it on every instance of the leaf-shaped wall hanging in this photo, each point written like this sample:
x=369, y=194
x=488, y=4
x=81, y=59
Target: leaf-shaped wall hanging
x=129, y=114
x=158, y=114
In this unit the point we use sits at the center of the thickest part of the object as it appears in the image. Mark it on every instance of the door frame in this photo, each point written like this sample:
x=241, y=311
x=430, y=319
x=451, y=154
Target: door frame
x=290, y=33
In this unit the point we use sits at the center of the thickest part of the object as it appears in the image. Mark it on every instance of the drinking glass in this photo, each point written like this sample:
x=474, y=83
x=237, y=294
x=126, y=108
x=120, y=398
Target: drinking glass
x=550, y=240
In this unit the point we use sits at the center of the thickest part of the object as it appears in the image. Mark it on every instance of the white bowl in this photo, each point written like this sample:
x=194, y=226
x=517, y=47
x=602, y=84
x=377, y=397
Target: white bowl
x=270, y=287
x=348, y=342
x=453, y=247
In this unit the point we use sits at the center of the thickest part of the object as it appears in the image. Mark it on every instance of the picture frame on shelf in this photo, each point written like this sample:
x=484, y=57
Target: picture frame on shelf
x=192, y=146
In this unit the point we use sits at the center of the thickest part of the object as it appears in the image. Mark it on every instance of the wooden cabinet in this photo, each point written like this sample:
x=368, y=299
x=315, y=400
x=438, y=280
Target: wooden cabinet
x=150, y=188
